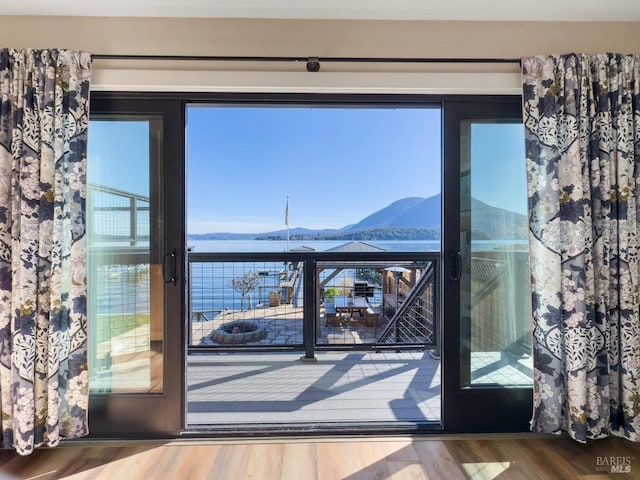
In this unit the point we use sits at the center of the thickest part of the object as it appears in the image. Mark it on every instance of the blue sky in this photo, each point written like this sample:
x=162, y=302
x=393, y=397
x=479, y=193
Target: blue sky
x=337, y=165
x=498, y=165
x=118, y=154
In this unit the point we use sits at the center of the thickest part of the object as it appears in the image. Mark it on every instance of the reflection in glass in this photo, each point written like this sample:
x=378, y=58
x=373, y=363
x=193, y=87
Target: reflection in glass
x=125, y=286
x=496, y=298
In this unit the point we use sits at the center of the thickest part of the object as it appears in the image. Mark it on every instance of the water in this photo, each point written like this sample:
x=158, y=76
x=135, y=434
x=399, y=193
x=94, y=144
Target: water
x=319, y=245
x=122, y=289
x=208, y=246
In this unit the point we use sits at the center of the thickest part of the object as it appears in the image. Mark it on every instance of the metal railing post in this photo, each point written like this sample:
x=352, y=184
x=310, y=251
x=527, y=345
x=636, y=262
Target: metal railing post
x=437, y=318
x=309, y=310
x=133, y=221
x=189, y=303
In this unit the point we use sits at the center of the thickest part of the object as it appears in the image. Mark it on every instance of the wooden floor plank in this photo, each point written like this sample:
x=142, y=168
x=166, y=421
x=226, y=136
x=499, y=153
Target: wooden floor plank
x=42, y=463
x=370, y=460
x=264, y=461
x=407, y=471
x=231, y=462
x=196, y=461
x=331, y=460
x=299, y=460
x=400, y=451
x=87, y=463
x=438, y=461
x=130, y=462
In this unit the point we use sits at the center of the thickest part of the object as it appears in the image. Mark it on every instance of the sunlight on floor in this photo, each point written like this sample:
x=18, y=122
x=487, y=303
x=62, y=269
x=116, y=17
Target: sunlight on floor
x=485, y=470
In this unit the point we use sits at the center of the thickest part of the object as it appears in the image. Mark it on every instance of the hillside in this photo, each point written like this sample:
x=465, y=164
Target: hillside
x=497, y=223
x=424, y=215
x=409, y=218
x=386, y=217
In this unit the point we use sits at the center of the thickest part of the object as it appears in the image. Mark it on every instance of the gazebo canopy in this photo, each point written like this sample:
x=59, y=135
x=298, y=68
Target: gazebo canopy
x=356, y=247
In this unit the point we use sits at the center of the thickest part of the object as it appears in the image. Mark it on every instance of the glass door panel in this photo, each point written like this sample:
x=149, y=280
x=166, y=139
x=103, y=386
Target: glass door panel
x=125, y=275
x=495, y=262
x=487, y=300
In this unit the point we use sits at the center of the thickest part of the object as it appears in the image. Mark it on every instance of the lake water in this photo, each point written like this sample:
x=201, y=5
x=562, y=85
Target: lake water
x=201, y=246
x=318, y=245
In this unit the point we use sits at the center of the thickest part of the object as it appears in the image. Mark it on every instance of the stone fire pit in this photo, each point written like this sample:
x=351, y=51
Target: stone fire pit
x=239, y=331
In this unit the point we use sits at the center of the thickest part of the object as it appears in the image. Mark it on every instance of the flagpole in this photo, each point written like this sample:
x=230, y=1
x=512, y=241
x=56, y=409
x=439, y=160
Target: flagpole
x=286, y=221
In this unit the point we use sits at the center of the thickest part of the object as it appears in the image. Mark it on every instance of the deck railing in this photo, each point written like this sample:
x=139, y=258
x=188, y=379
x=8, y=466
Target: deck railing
x=311, y=300
x=117, y=216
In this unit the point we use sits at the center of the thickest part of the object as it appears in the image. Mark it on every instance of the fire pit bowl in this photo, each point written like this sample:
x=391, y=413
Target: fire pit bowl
x=239, y=331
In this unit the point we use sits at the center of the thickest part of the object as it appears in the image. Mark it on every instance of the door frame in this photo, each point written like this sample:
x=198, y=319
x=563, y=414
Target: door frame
x=154, y=414
x=477, y=408
x=148, y=415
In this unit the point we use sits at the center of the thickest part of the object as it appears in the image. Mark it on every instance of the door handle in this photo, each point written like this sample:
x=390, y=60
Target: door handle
x=455, y=266
x=169, y=267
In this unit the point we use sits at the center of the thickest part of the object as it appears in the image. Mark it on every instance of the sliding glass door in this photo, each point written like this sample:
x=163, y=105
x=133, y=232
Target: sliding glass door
x=137, y=269
x=488, y=365
x=135, y=296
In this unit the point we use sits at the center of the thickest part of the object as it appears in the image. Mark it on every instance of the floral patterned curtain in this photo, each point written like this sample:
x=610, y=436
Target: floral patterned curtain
x=44, y=108
x=582, y=132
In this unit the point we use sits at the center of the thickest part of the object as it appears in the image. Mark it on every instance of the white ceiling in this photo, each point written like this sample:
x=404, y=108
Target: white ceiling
x=531, y=10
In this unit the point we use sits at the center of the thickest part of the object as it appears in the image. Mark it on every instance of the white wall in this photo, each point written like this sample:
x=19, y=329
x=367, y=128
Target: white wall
x=322, y=38
x=317, y=38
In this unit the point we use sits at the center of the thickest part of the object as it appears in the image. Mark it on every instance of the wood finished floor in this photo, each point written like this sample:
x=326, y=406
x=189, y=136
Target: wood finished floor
x=449, y=458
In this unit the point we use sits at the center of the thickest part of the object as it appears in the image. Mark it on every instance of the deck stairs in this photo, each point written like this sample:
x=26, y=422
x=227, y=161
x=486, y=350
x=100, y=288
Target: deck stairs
x=411, y=323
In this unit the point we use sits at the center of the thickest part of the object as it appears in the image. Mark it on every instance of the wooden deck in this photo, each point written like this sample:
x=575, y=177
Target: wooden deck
x=344, y=387
x=279, y=388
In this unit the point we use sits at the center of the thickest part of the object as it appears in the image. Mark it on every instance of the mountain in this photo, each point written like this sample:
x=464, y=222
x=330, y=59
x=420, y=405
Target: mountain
x=386, y=216
x=409, y=218
x=487, y=222
x=497, y=223
x=425, y=214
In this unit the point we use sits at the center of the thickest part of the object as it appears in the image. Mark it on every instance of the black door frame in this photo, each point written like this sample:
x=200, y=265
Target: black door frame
x=475, y=409
x=154, y=414
x=463, y=410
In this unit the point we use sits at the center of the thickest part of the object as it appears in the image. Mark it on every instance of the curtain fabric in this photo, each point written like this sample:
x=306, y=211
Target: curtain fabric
x=582, y=132
x=44, y=106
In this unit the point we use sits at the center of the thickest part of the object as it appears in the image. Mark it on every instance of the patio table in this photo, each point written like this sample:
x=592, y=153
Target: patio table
x=351, y=305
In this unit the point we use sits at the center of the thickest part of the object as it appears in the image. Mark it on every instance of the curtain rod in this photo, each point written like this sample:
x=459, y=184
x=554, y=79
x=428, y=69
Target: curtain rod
x=313, y=63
